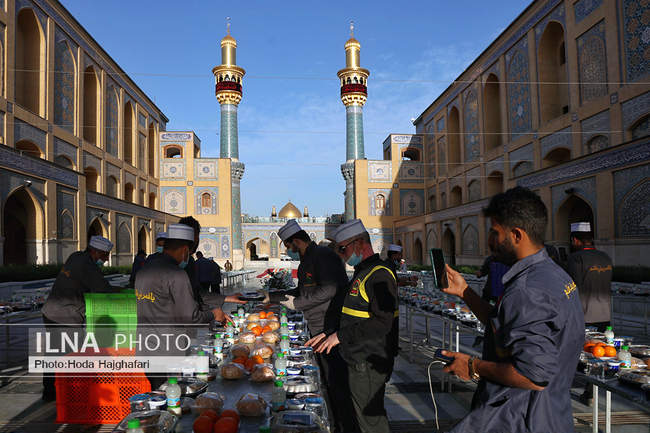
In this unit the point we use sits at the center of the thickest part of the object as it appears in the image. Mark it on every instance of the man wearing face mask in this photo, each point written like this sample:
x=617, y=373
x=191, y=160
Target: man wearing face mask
x=160, y=243
x=65, y=305
x=534, y=335
x=367, y=334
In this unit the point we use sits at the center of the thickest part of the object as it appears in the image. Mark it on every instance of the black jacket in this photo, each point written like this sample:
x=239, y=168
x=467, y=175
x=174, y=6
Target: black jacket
x=592, y=272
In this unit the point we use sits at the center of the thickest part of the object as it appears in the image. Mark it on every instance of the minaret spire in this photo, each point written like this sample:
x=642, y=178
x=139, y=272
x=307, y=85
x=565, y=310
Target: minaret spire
x=228, y=26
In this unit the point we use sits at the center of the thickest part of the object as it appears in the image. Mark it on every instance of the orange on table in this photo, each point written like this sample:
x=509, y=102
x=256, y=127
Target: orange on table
x=257, y=359
x=266, y=329
x=203, y=424
x=211, y=414
x=262, y=314
x=598, y=351
x=270, y=314
x=588, y=347
x=249, y=364
x=257, y=330
x=240, y=360
x=610, y=351
x=229, y=413
x=226, y=425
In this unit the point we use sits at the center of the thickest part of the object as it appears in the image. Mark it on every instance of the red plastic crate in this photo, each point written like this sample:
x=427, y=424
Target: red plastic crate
x=97, y=398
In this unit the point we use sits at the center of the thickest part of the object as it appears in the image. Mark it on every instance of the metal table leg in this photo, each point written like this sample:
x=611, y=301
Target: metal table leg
x=594, y=410
x=426, y=324
x=608, y=412
x=410, y=322
x=457, y=338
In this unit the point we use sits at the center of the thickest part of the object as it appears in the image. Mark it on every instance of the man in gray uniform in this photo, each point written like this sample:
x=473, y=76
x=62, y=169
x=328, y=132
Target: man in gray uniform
x=163, y=289
x=66, y=305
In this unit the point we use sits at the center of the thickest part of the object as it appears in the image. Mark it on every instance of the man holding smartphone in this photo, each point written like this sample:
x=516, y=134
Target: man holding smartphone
x=534, y=334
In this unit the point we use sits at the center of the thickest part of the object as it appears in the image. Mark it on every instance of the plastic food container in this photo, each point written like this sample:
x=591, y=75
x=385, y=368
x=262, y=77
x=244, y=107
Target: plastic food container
x=139, y=402
x=293, y=371
x=157, y=402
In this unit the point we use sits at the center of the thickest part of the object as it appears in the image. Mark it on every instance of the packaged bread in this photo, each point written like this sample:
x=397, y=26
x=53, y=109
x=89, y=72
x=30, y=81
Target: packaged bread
x=263, y=350
x=251, y=405
x=247, y=337
x=232, y=371
x=252, y=325
x=240, y=351
x=253, y=317
x=263, y=373
x=273, y=324
x=271, y=338
x=209, y=400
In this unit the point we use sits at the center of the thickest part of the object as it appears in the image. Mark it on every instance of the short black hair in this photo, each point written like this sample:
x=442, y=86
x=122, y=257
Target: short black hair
x=141, y=252
x=584, y=237
x=199, y=254
x=392, y=253
x=520, y=207
x=173, y=244
x=302, y=235
x=192, y=222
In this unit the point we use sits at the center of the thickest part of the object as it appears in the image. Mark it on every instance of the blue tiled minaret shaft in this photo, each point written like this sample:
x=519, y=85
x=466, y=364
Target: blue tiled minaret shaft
x=354, y=93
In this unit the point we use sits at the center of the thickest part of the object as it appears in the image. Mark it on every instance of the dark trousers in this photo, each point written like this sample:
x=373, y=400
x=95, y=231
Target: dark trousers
x=367, y=388
x=335, y=377
x=156, y=380
x=54, y=329
x=215, y=286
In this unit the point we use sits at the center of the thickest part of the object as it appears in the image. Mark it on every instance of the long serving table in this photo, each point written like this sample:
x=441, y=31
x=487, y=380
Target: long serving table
x=232, y=278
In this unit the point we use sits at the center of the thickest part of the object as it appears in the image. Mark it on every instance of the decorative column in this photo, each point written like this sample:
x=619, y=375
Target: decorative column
x=228, y=88
x=354, y=94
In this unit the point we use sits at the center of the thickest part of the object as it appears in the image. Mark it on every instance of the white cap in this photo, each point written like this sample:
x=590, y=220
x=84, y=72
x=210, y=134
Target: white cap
x=349, y=230
x=395, y=248
x=581, y=227
x=161, y=235
x=180, y=231
x=289, y=229
x=100, y=243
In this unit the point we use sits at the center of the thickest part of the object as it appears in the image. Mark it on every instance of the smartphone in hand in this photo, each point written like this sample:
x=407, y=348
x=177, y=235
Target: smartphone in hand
x=439, y=270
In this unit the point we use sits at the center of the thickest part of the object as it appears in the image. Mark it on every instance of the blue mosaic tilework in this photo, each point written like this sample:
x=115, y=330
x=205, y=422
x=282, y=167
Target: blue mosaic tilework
x=211, y=205
x=228, y=137
x=641, y=129
x=173, y=199
x=64, y=85
x=206, y=169
x=634, y=109
x=469, y=240
x=596, y=125
x=431, y=161
x=440, y=125
x=142, y=144
x=556, y=15
x=505, y=46
x=411, y=172
x=442, y=154
x=90, y=51
x=354, y=132
x=237, y=171
x=42, y=18
x=560, y=138
x=519, y=109
x=112, y=104
x=631, y=191
x=106, y=202
x=582, y=8
x=411, y=202
x=637, y=38
x=521, y=160
x=25, y=131
x=496, y=164
x=614, y=158
x=66, y=205
x=380, y=202
x=470, y=119
x=584, y=188
x=474, y=190
x=380, y=171
x=142, y=120
x=66, y=149
x=92, y=161
x=592, y=63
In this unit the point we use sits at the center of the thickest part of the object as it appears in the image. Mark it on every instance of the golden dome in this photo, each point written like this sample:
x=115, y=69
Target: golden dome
x=289, y=211
x=228, y=40
x=352, y=43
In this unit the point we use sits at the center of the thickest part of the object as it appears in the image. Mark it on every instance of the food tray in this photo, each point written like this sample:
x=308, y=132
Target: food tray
x=151, y=421
x=190, y=386
x=640, y=351
x=299, y=384
x=637, y=378
x=251, y=296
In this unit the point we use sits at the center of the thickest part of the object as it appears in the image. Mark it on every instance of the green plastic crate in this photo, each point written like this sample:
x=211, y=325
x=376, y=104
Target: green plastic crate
x=108, y=314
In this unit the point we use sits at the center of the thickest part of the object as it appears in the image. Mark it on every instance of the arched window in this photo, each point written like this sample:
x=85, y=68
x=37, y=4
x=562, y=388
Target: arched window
x=556, y=156
x=380, y=201
x=456, y=196
x=29, y=148
x=454, y=139
x=173, y=152
x=492, y=113
x=432, y=203
x=64, y=161
x=443, y=200
x=206, y=200
x=128, y=133
x=29, y=62
x=474, y=190
x=64, y=86
x=640, y=128
x=111, y=186
x=141, y=197
x=553, y=89
x=599, y=142
x=411, y=154
x=112, y=111
x=128, y=192
x=495, y=183
x=91, y=179
x=152, y=200
x=90, y=108
x=522, y=168
x=151, y=150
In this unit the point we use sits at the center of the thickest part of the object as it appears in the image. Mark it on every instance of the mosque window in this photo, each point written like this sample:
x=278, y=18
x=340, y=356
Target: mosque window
x=349, y=80
x=206, y=200
x=220, y=78
x=356, y=80
x=410, y=154
x=553, y=90
x=380, y=201
x=30, y=53
x=173, y=152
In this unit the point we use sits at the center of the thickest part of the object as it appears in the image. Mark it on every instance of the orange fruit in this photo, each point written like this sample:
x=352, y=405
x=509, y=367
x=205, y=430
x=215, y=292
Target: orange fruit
x=258, y=359
x=210, y=414
x=249, y=364
x=203, y=424
x=262, y=314
x=266, y=329
x=588, y=347
x=270, y=315
x=610, y=351
x=241, y=360
x=257, y=330
x=598, y=351
x=226, y=425
x=229, y=413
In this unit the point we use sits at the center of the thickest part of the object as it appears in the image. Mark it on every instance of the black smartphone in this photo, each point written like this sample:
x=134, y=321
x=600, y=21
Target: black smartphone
x=438, y=356
x=439, y=271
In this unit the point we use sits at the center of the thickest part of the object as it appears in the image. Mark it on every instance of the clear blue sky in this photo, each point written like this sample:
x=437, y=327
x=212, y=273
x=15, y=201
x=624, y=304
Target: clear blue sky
x=291, y=121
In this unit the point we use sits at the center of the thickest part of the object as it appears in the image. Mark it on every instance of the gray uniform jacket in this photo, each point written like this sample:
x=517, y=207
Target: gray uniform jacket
x=164, y=294
x=592, y=271
x=80, y=274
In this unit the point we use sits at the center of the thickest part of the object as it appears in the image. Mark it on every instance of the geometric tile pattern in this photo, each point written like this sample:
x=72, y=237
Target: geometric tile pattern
x=206, y=200
x=470, y=117
x=379, y=202
x=631, y=190
x=380, y=171
x=25, y=131
x=228, y=132
x=560, y=138
x=65, y=149
x=636, y=19
x=469, y=241
x=596, y=125
x=112, y=105
x=442, y=161
x=584, y=188
x=557, y=15
x=634, y=109
x=582, y=8
x=641, y=129
x=518, y=89
x=521, y=160
x=173, y=199
x=205, y=169
x=64, y=86
x=411, y=202
x=354, y=132
x=12, y=159
x=411, y=172
x=172, y=168
x=66, y=205
x=592, y=61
